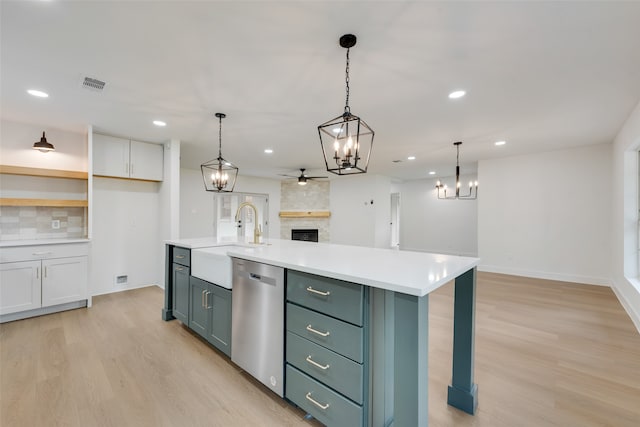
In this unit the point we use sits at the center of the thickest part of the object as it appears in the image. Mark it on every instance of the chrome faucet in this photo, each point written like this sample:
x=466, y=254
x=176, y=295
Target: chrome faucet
x=257, y=232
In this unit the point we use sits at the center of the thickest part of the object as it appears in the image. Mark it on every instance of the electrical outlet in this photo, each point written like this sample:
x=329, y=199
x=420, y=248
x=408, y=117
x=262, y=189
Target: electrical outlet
x=55, y=224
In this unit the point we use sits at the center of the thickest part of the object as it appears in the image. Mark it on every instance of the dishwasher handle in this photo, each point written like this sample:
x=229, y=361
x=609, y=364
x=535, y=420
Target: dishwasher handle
x=255, y=276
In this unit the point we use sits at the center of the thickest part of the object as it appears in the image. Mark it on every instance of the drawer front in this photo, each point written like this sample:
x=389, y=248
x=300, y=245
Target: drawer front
x=36, y=252
x=341, y=337
x=336, y=298
x=323, y=403
x=338, y=372
x=182, y=256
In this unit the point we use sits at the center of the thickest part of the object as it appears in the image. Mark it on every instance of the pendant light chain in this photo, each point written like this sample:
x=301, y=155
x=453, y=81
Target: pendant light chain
x=347, y=110
x=220, y=137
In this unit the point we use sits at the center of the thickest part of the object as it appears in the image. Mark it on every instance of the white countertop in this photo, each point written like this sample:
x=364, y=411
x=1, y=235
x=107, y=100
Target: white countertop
x=201, y=242
x=14, y=243
x=413, y=273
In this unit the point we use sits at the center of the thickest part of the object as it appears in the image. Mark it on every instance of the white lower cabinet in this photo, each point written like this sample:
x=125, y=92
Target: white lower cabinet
x=60, y=276
x=63, y=280
x=20, y=286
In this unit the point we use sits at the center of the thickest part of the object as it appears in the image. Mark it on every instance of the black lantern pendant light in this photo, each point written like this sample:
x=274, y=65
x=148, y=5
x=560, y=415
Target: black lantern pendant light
x=43, y=146
x=219, y=175
x=472, y=186
x=346, y=140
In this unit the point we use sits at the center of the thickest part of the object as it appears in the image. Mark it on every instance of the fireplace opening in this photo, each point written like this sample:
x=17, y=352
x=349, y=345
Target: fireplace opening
x=307, y=234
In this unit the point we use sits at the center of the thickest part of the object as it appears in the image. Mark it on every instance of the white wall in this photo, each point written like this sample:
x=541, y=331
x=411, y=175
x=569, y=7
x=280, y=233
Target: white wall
x=624, y=254
x=547, y=215
x=126, y=234
x=432, y=225
x=196, y=204
x=16, y=142
x=354, y=219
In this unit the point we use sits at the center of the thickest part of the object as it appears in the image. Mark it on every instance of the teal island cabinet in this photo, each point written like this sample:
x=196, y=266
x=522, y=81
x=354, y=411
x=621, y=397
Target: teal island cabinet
x=356, y=329
x=202, y=306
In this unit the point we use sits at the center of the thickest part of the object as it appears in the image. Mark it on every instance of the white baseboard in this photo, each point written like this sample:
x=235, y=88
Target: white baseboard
x=573, y=278
x=128, y=288
x=635, y=316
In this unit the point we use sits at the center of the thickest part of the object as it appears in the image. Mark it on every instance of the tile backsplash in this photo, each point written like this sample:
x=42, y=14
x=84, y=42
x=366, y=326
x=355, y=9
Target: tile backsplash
x=36, y=222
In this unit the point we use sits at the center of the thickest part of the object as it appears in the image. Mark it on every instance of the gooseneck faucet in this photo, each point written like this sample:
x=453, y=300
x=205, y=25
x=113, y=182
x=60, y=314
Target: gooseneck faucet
x=256, y=230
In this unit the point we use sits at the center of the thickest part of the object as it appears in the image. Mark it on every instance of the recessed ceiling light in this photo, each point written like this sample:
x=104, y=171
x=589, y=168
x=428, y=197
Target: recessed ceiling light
x=38, y=93
x=500, y=142
x=432, y=172
x=457, y=94
x=268, y=150
x=159, y=123
x=411, y=158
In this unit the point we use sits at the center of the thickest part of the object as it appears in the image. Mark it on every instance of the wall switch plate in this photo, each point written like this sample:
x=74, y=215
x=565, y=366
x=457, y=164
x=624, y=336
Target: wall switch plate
x=55, y=224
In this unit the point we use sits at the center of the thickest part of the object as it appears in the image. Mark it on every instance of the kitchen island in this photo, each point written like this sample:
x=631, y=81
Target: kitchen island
x=396, y=287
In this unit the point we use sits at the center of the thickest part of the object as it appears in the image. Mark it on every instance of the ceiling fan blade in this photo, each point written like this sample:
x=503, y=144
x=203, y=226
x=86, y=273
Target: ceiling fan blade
x=316, y=177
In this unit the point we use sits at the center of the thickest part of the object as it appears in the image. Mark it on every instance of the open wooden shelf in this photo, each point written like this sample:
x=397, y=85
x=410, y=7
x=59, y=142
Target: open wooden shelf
x=47, y=173
x=307, y=214
x=56, y=203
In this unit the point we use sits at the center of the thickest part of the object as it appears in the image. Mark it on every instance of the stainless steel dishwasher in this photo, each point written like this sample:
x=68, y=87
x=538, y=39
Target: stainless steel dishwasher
x=257, y=322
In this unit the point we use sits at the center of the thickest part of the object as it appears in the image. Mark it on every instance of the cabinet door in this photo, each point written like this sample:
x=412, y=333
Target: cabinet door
x=110, y=156
x=19, y=286
x=219, y=301
x=64, y=280
x=181, y=293
x=198, y=312
x=147, y=161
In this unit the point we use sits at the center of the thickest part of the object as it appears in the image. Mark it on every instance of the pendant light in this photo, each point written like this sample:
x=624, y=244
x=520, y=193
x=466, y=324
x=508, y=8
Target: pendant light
x=219, y=175
x=473, y=187
x=346, y=140
x=43, y=146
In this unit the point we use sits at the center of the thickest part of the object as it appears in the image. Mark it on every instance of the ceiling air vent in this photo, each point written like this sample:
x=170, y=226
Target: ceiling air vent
x=93, y=84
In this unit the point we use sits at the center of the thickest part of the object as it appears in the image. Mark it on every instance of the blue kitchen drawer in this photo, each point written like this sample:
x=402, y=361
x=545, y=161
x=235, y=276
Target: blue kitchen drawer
x=327, y=406
x=343, y=300
x=182, y=256
x=336, y=335
x=336, y=371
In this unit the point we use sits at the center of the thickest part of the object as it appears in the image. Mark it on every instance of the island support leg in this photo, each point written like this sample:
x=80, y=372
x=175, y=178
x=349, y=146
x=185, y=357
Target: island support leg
x=463, y=393
x=411, y=351
x=167, y=310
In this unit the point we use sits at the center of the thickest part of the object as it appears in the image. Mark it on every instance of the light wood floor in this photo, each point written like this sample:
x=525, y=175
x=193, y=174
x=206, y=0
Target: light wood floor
x=547, y=354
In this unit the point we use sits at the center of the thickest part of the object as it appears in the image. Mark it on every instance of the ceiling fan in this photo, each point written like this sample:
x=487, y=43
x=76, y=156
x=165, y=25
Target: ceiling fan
x=302, y=179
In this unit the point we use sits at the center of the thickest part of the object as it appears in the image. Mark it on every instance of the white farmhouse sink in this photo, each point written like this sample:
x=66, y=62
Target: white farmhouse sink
x=212, y=265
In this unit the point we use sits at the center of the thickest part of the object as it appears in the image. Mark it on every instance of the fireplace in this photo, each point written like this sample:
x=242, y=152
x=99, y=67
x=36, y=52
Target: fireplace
x=305, y=234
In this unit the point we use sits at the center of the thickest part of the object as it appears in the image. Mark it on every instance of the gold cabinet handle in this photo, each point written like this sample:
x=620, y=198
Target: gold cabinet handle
x=37, y=272
x=180, y=256
x=317, y=292
x=202, y=300
x=315, y=331
x=316, y=364
x=315, y=402
x=179, y=268
x=206, y=300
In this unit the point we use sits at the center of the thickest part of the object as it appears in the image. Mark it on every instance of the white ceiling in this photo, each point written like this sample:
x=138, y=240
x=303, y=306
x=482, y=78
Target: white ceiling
x=540, y=75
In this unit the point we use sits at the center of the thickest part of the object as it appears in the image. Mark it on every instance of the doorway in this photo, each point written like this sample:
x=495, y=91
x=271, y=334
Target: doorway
x=395, y=220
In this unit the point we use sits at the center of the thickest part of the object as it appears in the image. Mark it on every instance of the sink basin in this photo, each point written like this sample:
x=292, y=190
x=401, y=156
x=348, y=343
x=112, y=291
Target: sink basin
x=212, y=265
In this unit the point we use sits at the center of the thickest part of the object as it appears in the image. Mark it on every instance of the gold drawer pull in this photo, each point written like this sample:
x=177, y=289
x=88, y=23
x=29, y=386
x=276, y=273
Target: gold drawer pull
x=314, y=291
x=315, y=402
x=316, y=364
x=322, y=334
x=179, y=268
x=180, y=256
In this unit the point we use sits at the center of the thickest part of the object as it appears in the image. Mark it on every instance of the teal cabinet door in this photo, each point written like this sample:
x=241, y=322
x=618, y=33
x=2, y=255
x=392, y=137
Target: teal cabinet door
x=198, y=313
x=219, y=302
x=181, y=292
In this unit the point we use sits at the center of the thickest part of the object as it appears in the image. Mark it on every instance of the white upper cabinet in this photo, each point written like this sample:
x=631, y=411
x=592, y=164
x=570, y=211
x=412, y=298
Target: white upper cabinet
x=146, y=161
x=110, y=156
x=123, y=158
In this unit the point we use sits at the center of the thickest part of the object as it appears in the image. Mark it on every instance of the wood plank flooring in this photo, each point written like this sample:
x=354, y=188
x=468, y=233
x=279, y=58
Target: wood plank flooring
x=547, y=354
